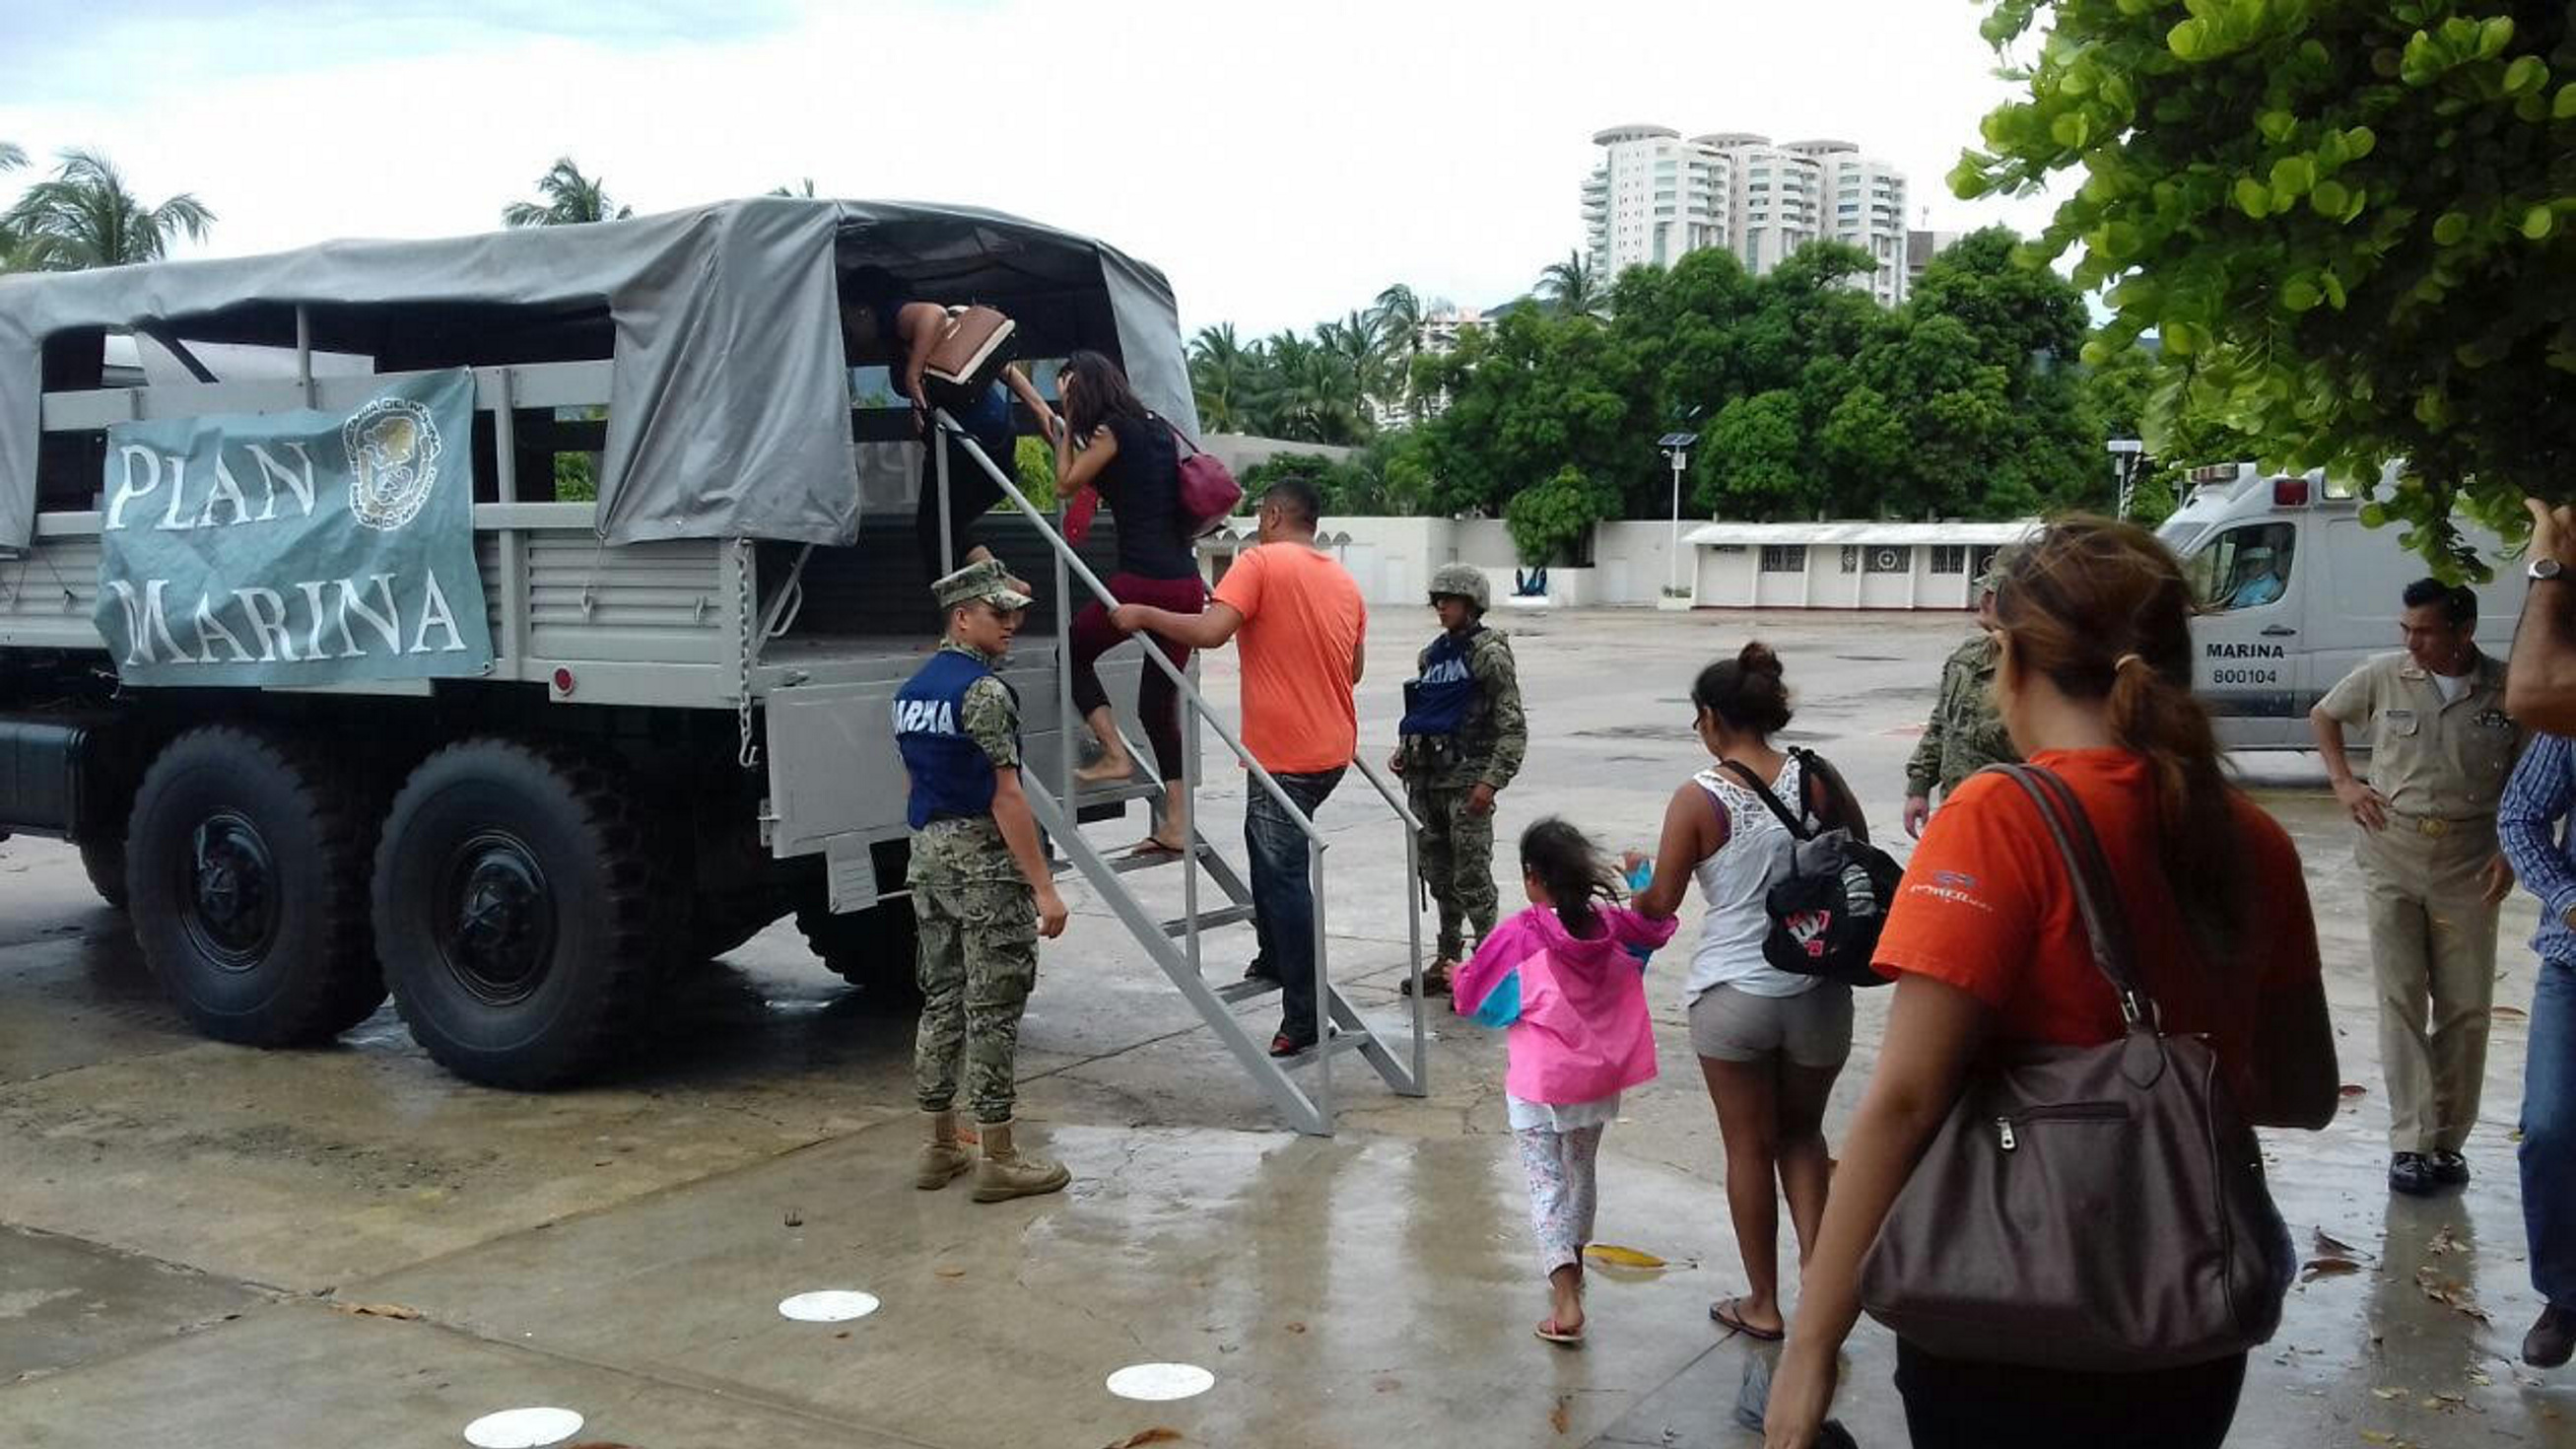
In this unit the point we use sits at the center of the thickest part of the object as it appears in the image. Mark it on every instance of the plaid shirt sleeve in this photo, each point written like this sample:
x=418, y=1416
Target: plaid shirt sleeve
x=2536, y=801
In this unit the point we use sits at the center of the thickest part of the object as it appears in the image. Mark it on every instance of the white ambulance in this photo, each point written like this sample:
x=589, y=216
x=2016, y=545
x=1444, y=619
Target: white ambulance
x=2297, y=592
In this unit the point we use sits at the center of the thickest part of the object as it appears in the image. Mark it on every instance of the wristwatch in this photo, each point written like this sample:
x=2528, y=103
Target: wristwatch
x=2544, y=569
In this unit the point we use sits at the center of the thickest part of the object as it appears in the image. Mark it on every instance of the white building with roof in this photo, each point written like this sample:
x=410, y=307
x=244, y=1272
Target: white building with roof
x=1655, y=197
x=1844, y=565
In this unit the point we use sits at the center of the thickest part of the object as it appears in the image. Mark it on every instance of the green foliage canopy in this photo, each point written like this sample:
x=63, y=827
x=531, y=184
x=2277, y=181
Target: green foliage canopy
x=2352, y=224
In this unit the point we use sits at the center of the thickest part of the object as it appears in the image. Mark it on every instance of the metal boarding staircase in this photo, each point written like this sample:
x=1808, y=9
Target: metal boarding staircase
x=1174, y=943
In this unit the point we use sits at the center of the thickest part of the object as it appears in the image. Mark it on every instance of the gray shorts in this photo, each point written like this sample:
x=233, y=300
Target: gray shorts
x=1812, y=1028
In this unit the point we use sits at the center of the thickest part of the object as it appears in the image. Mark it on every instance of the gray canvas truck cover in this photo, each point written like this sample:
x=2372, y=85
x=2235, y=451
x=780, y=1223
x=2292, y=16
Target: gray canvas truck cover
x=729, y=416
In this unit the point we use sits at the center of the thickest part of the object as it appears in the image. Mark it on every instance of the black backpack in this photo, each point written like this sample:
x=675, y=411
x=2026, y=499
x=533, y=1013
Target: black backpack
x=1826, y=913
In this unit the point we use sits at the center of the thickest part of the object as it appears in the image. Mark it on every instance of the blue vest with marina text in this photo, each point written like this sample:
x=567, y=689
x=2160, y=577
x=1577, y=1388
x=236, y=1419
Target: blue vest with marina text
x=952, y=777
x=1436, y=704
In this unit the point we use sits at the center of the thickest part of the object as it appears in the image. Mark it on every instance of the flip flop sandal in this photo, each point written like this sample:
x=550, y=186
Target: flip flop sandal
x=1548, y=1330
x=1723, y=1314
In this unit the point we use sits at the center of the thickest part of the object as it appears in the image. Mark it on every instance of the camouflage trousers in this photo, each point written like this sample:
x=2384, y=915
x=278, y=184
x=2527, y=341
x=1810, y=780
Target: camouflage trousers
x=1457, y=851
x=978, y=963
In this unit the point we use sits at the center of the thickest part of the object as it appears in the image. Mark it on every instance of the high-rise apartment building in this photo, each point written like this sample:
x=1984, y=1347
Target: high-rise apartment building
x=1655, y=196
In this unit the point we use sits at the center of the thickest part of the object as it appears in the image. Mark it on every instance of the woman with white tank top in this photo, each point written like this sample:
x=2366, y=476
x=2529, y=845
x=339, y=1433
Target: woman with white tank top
x=1770, y=1044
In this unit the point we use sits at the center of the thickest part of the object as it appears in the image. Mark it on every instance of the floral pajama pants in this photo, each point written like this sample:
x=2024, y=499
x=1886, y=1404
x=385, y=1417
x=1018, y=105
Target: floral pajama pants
x=1563, y=1191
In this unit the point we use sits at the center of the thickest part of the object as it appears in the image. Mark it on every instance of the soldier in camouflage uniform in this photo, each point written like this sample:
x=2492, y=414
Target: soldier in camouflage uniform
x=1964, y=734
x=981, y=889
x=1463, y=738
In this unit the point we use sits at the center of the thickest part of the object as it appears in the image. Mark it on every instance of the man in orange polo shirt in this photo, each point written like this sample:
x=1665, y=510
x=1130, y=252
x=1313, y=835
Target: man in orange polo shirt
x=1304, y=631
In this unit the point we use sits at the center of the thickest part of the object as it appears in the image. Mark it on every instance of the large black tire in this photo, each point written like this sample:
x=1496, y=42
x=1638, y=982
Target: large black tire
x=103, y=859
x=520, y=913
x=246, y=868
x=876, y=950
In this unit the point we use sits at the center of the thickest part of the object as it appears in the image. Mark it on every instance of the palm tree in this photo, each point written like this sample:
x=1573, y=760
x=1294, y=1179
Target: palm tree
x=84, y=217
x=1398, y=314
x=11, y=257
x=570, y=200
x=1573, y=288
x=1222, y=377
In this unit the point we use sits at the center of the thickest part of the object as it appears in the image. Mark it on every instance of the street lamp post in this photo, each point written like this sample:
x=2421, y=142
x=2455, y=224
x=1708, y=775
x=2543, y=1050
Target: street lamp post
x=1677, y=448
x=2126, y=455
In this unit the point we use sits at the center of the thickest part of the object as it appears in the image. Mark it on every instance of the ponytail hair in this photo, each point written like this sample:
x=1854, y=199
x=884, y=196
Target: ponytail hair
x=2102, y=611
x=1570, y=869
x=1745, y=691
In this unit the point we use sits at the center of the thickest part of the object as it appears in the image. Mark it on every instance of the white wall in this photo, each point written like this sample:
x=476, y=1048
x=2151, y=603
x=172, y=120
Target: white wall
x=1392, y=560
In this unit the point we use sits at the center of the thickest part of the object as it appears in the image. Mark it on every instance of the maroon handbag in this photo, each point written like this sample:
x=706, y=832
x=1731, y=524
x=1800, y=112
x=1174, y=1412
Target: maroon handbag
x=2087, y=1208
x=1209, y=494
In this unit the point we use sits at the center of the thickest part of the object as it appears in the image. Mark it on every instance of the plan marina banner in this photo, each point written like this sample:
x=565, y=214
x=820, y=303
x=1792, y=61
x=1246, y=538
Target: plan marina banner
x=297, y=548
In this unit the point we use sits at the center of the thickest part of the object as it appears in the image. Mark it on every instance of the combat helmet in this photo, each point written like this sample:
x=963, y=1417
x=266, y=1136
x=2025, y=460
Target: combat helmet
x=1462, y=581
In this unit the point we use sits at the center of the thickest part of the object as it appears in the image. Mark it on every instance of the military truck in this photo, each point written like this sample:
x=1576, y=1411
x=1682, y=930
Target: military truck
x=507, y=622
x=680, y=733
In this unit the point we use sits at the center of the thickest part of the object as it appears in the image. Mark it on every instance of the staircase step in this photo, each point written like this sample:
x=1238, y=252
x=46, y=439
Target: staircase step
x=1246, y=989
x=1338, y=1043
x=1208, y=920
x=1084, y=795
x=1125, y=864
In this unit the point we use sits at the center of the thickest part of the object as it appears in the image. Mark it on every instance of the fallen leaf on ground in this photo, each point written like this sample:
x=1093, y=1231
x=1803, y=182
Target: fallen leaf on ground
x=1296, y=1328
x=952, y=1272
x=2327, y=1268
x=2450, y=1293
x=1142, y=1437
x=379, y=1310
x=2480, y=1379
x=1561, y=1418
x=1611, y=1255
x=2353, y=1089
x=2382, y=1436
x=2390, y=1393
x=2330, y=1246
x=2445, y=1241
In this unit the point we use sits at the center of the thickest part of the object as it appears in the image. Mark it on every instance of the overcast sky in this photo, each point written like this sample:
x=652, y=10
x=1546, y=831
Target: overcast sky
x=1281, y=162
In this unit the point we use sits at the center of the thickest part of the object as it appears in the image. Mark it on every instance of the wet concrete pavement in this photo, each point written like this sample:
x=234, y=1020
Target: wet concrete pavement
x=207, y=1246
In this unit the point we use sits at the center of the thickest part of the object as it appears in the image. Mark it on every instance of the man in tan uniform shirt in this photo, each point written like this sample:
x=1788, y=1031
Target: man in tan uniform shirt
x=2441, y=749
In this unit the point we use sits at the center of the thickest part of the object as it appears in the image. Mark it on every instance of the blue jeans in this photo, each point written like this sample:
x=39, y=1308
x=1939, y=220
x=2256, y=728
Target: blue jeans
x=2549, y=1134
x=1283, y=897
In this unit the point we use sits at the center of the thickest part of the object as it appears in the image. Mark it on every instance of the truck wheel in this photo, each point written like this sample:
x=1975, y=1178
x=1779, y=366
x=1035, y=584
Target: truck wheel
x=873, y=950
x=246, y=867
x=103, y=858
x=518, y=912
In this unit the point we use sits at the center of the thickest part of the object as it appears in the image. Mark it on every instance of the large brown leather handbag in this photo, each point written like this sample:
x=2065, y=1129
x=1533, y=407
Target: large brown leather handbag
x=2088, y=1208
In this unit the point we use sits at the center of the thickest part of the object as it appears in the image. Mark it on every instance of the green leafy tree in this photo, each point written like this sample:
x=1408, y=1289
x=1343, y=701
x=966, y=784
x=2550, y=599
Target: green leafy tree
x=1754, y=462
x=568, y=199
x=1550, y=521
x=2352, y=225
x=84, y=216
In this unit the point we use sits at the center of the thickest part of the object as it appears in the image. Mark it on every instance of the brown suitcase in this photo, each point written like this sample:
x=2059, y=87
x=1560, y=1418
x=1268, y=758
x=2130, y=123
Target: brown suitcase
x=969, y=352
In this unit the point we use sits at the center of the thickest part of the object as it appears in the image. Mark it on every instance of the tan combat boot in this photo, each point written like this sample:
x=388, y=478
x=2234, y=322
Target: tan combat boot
x=943, y=1158
x=1006, y=1173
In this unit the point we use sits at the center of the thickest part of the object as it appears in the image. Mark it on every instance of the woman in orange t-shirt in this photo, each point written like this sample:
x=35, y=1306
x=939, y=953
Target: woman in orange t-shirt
x=1983, y=941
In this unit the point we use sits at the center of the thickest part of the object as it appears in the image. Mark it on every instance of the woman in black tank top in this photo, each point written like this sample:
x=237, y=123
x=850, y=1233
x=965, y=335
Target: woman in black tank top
x=1107, y=441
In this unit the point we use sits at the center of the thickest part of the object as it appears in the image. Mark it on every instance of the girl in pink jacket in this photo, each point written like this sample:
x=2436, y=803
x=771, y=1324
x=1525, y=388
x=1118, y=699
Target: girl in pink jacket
x=1567, y=976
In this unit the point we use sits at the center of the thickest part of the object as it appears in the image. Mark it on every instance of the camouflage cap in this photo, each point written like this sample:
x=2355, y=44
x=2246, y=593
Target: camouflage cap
x=1997, y=567
x=984, y=580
